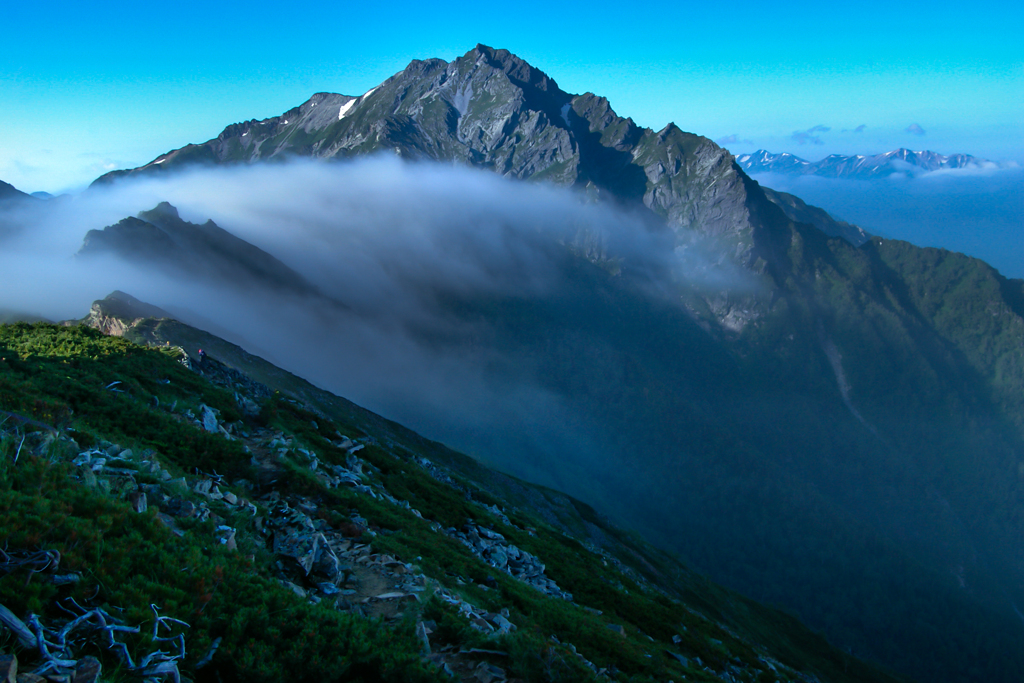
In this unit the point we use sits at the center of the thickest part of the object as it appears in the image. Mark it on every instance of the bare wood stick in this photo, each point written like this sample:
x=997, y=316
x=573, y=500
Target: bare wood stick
x=44, y=646
x=18, y=627
x=161, y=669
x=208, y=657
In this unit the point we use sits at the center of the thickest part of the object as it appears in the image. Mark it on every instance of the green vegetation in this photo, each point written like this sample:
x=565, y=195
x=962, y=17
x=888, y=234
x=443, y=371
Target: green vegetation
x=64, y=378
x=129, y=560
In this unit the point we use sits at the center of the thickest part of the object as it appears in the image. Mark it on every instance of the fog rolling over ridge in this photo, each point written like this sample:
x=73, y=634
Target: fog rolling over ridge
x=415, y=254
x=795, y=426
x=780, y=407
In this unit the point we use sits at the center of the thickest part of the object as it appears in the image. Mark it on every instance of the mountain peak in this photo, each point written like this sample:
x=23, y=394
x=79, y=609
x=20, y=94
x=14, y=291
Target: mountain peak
x=8, y=191
x=491, y=109
x=517, y=69
x=161, y=212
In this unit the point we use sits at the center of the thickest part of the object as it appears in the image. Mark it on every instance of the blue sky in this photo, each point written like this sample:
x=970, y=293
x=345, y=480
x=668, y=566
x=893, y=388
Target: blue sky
x=87, y=88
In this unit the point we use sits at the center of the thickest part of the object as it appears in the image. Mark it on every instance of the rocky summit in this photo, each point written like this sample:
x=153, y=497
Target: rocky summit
x=492, y=110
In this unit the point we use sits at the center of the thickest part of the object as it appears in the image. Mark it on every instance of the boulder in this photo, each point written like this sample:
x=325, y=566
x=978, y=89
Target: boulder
x=209, y=418
x=679, y=658
x=326, y=562
x=498, y=558
x=138, y=501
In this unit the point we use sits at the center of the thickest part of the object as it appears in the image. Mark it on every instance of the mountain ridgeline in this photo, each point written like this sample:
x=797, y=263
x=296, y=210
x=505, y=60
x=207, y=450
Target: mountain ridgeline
x=846, y=439
x=160, y=237
x=859, y=167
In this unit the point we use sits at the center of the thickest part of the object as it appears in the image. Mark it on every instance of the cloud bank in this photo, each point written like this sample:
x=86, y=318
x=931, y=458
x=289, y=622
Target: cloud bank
x=423, y=270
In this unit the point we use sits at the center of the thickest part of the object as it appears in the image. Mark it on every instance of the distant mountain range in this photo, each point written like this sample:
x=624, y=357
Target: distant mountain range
x=858, y=167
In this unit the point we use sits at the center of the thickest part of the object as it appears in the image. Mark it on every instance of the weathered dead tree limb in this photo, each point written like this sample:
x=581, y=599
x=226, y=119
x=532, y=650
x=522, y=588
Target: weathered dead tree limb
x=16, y=626
x=55, y=651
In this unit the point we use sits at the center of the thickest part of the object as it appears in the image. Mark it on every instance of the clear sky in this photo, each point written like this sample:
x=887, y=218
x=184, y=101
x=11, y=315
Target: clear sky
x=87, y=87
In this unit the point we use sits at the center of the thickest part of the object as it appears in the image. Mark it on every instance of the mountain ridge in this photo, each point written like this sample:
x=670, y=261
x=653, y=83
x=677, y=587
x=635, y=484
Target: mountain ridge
x=374, y=505
x=491, y=109
x=860, y=167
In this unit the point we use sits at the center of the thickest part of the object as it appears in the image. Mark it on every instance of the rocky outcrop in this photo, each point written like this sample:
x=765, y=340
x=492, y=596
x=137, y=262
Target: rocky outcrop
x=159, y=237
x=119, y=313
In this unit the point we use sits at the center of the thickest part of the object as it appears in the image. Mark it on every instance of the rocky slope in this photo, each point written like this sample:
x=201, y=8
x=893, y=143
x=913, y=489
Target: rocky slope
x=800, y=212
x=9, y=192
x=257, y=536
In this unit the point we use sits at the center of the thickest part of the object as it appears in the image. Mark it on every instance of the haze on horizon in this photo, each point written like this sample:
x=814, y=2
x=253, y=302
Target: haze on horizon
x=87, y=89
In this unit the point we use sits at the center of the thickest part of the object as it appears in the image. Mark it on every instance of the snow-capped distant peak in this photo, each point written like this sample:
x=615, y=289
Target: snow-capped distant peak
x=859, y=166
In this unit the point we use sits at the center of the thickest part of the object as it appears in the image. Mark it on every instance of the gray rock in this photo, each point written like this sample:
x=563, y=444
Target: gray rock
x=503, y=625
x=293, y=588
x=8, y=668
x=87, y=670
x=138, y=501
x=423, y=635
x=209, y=418
x=498, y=558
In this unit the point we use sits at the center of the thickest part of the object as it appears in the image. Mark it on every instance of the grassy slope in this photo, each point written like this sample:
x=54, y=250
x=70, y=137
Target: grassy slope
x=56, y=376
